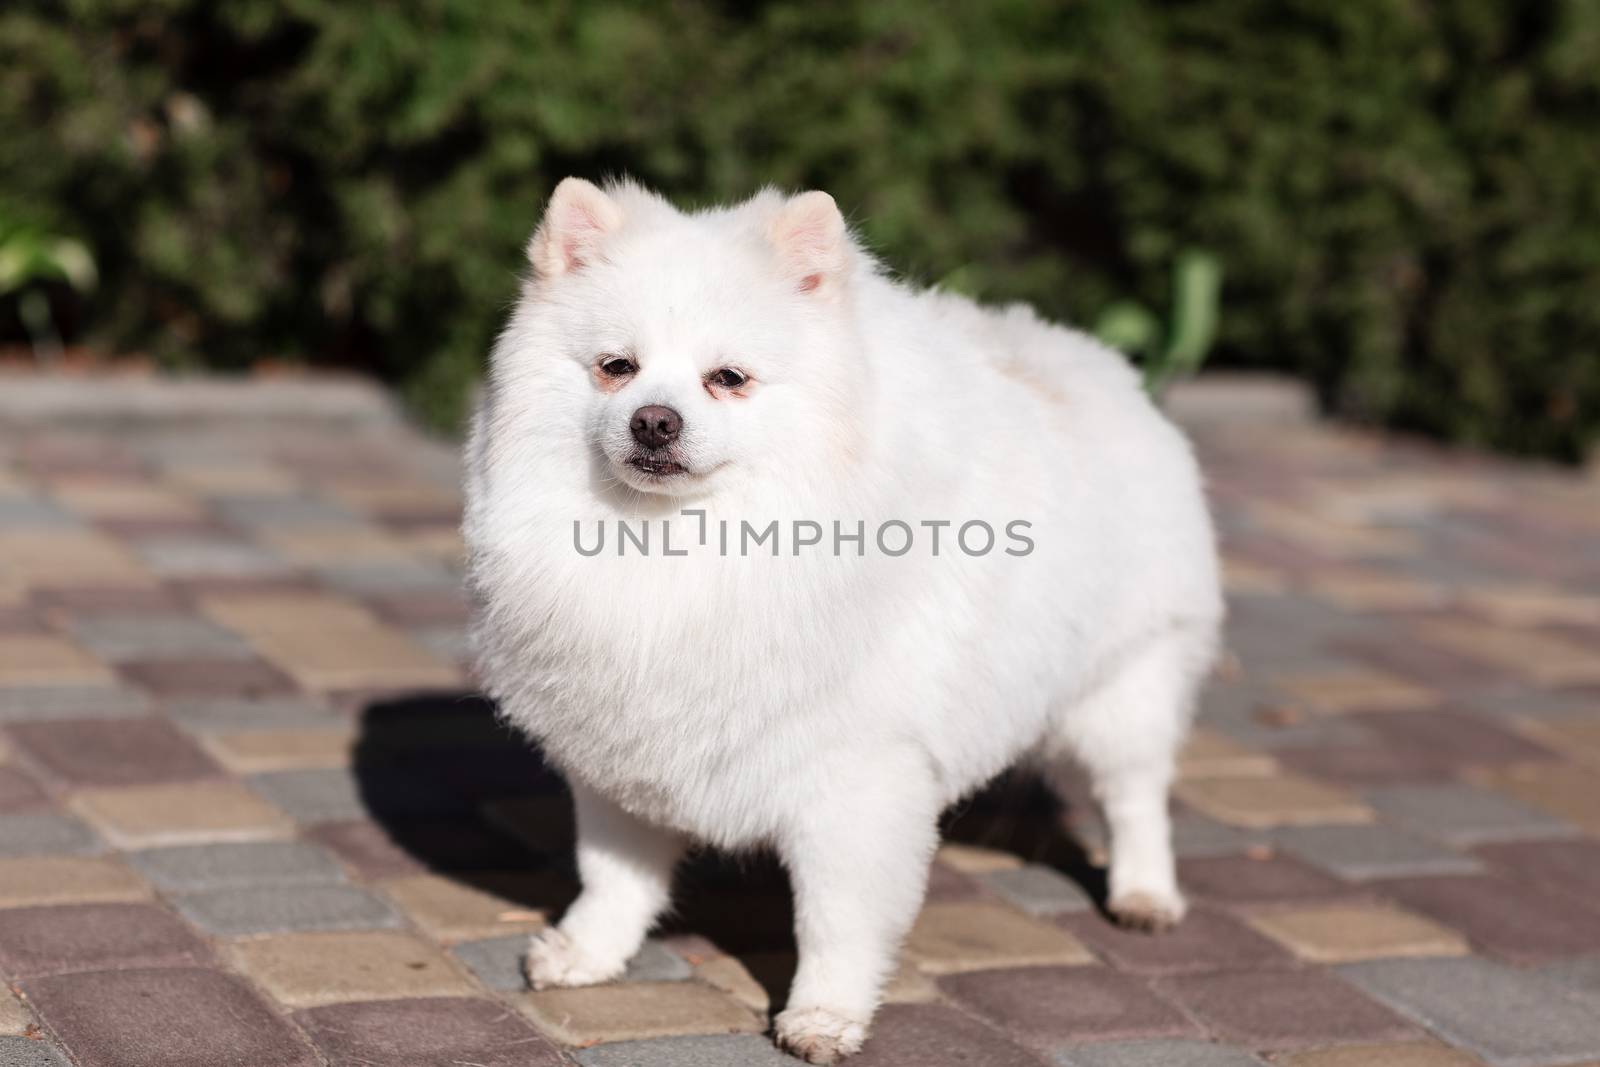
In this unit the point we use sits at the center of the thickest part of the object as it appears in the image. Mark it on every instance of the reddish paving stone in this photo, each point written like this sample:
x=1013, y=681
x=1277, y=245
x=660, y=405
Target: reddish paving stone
x=1051, y=1006
x=1571, y=866
x=1365, y=765
x=1284, y=1009
x=947, y=884
x=1423, y=663
x=209, y=678
x=1252, y=880
x=931, y=1035
x=18, y=791
x=420, y=608
x=427, y=1032
x=162, y=527
x=1204, y=941
x=19, y=621
x=107, y=752
x=165, y=1017
x=112, y=600
x=1514, y=918
x=82, y=937
x=1453, y=738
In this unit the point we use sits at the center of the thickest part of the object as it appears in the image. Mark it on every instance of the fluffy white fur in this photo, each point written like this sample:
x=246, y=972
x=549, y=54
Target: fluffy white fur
x=825, y=706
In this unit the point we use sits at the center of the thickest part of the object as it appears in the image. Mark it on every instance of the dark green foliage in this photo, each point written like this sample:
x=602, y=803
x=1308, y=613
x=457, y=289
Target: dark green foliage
x=1404, y=194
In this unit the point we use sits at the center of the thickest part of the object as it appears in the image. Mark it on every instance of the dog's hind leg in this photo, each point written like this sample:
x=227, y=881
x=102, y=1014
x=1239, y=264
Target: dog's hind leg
x=1126, y=734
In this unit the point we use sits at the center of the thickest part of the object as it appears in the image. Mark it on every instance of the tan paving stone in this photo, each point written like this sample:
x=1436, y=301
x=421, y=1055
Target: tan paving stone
x=1566, y=791
x=1210, y=755
x=909, y=985
x=318, y=545
x=307, y=970
x=442, y=545
x=261, y=751
x=1577, y=738
x=148, y=816
x=1367, y=590
x=330, y=643
x=1345, y=933
x=1393, y=1055
x=30, y=880
x=14, y=1017
x=451, y=910
x=1242, y=577
x=1532, y=605
x=124, y=500
x=730, y=975
x=973, y=859
x=1274, y=800
x=636, y=1010
x=69, y=558
x=395, y=497
x=43, y=659
x=1340, y=540
x=1354, y=689
x=970, y=936
x=1539, y=657
x=231, y=479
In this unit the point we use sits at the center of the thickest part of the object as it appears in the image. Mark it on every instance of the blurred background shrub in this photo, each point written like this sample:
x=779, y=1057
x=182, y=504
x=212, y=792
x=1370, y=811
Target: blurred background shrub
x=1403, y=195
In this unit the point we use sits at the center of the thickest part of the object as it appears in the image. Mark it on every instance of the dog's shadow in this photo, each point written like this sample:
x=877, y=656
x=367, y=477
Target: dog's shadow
x=462, y=795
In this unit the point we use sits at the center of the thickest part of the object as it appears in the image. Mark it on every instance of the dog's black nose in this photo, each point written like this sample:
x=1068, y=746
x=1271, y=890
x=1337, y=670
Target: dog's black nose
x=655, y=426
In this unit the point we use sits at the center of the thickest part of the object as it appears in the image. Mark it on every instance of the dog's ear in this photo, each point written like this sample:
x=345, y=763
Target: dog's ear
x=812, y=242
x=576, y=221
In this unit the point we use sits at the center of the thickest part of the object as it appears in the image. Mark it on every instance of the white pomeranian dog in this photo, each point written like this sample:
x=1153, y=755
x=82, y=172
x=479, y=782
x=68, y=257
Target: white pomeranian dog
x=772, y=551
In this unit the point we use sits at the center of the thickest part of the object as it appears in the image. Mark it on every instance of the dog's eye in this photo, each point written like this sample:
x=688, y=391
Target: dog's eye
x=617, y=366
x=728, y=378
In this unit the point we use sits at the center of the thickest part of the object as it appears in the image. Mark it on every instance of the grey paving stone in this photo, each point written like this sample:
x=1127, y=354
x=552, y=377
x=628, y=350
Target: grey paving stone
x=1157, y=1054
x=1580, y=975
x=124, y=639
x=200, y=557
x=449, y=643
x=388, y=577
x=275, y=909
x=231, y=713
x=35, y=833
x=281, y=510
x=1364, y=852
x=1507, y=1017
x=497, y=961
x=24, y=703
x=190, y=868
x=655, y=962
x=1039, y=890
x=1237, y=712
x=19, y=510
x=744, y=1050
x=1463, y=815
x=26, y=1052
x=1196, y=836
x=336, y=794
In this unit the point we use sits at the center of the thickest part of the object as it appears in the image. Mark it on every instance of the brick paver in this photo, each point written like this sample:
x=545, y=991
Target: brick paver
x=249, y=812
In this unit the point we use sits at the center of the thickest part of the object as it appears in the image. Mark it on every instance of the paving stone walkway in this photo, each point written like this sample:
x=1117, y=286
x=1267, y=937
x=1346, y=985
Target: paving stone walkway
x=252, y=817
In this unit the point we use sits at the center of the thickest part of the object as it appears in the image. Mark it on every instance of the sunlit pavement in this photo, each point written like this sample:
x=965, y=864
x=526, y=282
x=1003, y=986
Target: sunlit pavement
x=251, y=815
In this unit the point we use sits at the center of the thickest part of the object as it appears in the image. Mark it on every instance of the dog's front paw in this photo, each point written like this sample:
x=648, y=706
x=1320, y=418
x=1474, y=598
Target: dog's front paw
x=1151, y=912
x=818, y=1035
x=555, y=960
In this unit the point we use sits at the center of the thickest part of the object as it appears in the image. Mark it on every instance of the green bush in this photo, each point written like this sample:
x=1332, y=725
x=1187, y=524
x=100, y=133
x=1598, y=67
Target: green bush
x=1404, y=196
